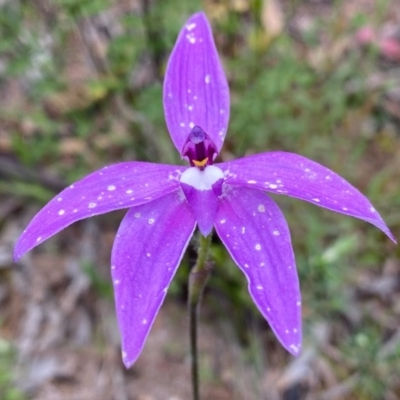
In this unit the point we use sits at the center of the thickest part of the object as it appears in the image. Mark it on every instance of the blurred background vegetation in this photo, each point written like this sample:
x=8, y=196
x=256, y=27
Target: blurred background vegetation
x=81, y=87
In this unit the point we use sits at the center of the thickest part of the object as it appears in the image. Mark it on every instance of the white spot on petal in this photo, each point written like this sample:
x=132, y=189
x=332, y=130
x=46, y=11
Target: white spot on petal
x=92, y=205
x=61, y=212
x=191, y=125
x=252, y=182
x=59, y=198
x=207, y=79
x=111, y=188
x=151, y=221
x=144, y=322
x=117, y=282
x=191, y=38
x=316, y=200
x=222, y=221
x=261, y=208
x=276, y=233
x=137, y=215
x=259, y=287
x=294, y=348
x=39, y=239
x=273, y=186
x=257, y=246
x=129, y=191
x=191, y=26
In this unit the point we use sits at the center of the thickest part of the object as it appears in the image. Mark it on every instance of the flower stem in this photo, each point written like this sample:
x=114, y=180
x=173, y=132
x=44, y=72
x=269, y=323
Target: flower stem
x=197, y=281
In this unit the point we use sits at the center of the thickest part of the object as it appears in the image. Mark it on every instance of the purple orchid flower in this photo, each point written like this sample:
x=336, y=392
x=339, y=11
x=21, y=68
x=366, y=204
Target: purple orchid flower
x=166, y=202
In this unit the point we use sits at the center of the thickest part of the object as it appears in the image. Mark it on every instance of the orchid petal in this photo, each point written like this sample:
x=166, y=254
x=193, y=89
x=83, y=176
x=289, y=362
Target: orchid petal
x=195, y=88
x=202, y=189
x=204, y=205
x=148, y=248
x=297, y=176
x=111, y=188
x=256, y=234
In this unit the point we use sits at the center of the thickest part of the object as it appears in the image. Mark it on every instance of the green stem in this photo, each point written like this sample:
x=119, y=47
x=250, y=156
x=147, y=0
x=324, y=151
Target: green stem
x=197, y=281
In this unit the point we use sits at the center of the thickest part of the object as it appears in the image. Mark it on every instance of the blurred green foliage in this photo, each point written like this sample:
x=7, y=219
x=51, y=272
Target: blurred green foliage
x=7, y=360
x=281, y=100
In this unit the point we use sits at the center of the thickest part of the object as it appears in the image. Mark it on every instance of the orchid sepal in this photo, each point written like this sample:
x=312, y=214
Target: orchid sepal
x=255, y=232
x=114, y=187
x=196, y=91
x=147, y=251
x=297, y=176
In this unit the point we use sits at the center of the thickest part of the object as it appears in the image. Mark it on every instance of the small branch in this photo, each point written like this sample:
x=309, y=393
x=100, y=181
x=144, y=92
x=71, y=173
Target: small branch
x=11, y=169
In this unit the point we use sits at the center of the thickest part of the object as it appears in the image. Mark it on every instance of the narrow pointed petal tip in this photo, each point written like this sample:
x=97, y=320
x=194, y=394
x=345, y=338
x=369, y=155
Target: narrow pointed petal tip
x=117, y=186
x=141, y=273
x=296, y=176
x=256, y=235
x=196, y=91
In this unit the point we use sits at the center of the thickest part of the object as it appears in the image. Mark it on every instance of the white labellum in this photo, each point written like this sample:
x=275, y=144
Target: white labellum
x=202, y=180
